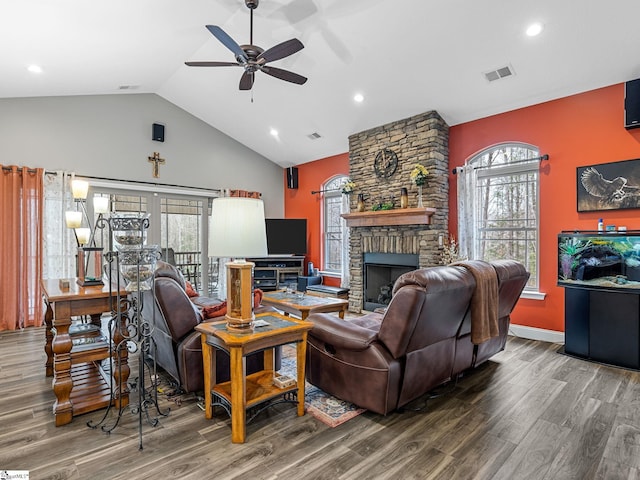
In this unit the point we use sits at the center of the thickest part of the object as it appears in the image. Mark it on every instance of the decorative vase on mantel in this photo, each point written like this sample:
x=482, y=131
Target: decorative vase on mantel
x=420, y=205
x=404, y=198
x=360, y=204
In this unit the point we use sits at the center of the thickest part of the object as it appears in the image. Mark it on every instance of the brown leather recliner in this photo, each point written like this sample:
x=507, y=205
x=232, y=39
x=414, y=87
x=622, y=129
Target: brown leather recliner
x=382, y=361
x=173, y=317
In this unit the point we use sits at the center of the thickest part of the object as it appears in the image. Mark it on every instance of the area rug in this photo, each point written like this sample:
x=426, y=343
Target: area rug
x=328, y=409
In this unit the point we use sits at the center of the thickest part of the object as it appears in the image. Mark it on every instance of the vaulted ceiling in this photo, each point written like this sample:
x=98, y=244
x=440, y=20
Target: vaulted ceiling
x=404, y=56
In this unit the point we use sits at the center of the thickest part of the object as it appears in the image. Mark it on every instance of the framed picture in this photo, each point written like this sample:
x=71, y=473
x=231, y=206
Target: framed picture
x=609, y=186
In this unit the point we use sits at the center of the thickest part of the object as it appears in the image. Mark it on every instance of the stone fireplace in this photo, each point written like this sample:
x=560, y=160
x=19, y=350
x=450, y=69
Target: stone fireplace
x=420, y=139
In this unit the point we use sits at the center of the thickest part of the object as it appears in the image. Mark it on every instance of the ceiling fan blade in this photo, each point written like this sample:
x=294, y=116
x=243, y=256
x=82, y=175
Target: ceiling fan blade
x=285, y=75
x=228, y=42
x=212, y=64
x=246, y=81
x=281, y=50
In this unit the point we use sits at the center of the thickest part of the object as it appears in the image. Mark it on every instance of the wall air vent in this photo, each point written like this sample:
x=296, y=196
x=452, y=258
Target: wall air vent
x=128, y=87
x=314, y=136
x=499, y=73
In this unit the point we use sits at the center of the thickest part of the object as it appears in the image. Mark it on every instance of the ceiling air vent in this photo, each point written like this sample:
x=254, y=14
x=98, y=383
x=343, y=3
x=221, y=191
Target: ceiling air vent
x=314, y=136
x=499, y=73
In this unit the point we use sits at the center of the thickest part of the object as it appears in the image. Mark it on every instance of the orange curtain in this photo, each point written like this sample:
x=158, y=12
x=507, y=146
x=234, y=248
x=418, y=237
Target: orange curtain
x=21, y=200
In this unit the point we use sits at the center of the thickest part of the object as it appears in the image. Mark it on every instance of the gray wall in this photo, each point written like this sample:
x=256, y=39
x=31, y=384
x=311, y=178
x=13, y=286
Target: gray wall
x=110, y=136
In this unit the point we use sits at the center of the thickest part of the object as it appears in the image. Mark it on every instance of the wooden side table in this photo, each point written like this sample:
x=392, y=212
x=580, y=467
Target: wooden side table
x=91, y=391
x=246, y=391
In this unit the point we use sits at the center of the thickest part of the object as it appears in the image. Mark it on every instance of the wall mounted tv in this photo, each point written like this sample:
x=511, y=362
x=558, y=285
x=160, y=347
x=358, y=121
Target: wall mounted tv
x=286, y=236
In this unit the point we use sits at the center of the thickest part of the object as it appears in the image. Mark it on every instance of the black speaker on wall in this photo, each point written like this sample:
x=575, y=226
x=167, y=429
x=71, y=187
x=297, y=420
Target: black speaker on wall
x=292, y=177
x=158, y=132
x=632, y=104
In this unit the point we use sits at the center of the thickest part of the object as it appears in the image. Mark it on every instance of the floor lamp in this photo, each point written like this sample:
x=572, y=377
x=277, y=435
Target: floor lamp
x=89, y=257
x=237, y=231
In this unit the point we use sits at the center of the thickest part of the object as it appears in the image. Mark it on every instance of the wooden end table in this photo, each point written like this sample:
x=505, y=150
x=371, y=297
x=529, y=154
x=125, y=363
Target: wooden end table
x=246, y=391
x=302, y=305
x=79, y=383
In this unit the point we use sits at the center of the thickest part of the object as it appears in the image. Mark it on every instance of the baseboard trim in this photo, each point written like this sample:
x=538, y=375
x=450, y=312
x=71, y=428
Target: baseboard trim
x=533, y=333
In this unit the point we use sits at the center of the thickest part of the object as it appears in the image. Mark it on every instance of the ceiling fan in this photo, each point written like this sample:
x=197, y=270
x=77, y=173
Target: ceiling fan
x=253, y=58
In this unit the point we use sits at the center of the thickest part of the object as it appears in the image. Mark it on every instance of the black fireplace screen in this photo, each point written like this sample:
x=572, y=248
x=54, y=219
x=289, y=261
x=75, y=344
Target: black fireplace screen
x=381, y=270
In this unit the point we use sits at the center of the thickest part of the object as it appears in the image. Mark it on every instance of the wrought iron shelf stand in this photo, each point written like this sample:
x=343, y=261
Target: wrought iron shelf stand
x=129, y=332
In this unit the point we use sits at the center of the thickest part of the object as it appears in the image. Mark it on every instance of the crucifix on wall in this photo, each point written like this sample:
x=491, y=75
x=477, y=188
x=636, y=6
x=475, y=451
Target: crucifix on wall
x=157, y=161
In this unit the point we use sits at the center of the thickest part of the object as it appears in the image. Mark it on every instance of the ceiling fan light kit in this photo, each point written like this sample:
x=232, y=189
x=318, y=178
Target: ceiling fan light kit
x=252, y=57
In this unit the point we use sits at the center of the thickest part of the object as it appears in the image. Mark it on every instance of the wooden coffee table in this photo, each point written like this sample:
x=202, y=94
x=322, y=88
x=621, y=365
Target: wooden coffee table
x=302, y=304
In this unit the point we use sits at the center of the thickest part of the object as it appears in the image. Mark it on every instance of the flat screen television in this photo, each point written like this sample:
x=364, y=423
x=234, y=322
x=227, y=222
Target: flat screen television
x=286, y=236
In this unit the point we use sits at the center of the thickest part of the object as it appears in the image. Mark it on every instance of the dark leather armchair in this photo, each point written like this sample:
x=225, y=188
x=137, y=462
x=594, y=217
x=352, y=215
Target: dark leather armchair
x=382, y=361
x=173, y=316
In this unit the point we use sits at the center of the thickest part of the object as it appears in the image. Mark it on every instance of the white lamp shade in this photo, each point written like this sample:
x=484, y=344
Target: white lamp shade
x=100, y=204
x=237, y=228
x=73, y=219
x=79, y=189
x=83, y=234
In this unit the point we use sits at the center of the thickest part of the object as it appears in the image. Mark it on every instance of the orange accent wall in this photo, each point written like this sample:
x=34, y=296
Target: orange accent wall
x=579, y=130
x=300, y=203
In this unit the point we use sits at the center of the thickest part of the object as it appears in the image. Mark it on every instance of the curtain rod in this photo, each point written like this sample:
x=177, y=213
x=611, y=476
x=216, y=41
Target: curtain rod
x=313, y=192
x=129, y=182
x=540, y=158
x=153, y=184
x=30, y=170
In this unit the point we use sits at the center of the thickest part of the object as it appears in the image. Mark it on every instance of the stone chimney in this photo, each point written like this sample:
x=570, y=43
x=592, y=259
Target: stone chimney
x=420, y=139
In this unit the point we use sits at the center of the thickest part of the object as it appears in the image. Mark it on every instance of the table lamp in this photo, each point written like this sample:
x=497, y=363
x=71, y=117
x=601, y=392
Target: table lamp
x=237, y=230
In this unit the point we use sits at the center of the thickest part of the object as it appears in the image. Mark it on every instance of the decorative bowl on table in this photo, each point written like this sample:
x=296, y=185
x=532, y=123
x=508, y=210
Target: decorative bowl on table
x=137, y=265
x=129, y=229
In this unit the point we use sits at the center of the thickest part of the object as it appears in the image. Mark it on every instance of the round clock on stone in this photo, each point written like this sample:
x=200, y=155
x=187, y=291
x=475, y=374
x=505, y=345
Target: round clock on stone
x=385, y=163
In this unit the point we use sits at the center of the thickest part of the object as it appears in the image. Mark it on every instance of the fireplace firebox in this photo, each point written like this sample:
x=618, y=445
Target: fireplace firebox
x=381, y=270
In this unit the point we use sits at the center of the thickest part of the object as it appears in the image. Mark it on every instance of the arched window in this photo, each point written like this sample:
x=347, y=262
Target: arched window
x=498, y=214
x=334, y=230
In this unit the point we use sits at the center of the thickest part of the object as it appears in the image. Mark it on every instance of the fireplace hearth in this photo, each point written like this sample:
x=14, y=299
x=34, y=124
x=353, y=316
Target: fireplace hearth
x=381, y=270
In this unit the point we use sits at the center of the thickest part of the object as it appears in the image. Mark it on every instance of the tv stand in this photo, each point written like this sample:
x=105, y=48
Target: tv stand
x=275, y=272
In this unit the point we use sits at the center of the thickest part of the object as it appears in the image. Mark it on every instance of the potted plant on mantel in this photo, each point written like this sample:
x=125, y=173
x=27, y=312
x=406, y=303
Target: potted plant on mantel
x=419, y=176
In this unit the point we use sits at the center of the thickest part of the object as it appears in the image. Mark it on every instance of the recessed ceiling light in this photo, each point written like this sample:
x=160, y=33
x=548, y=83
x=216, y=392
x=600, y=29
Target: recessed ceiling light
x=358, y=97
x=534, y=29
x=34, y=69
x=274, y=132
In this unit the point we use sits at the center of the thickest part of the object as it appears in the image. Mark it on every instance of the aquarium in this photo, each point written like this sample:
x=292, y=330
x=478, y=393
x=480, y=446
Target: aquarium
x=599, y=259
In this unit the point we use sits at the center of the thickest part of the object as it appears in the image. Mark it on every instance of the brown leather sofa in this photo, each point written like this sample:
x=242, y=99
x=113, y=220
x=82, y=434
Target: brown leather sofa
x=173, y=317
x=383, y=361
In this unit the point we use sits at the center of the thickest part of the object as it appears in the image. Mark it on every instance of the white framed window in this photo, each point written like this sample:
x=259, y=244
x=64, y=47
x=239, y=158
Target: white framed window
x=498, y=206
x=178, y=224
x=334, y=230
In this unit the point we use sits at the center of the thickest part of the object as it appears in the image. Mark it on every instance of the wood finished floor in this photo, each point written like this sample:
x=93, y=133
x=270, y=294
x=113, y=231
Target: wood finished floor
x=529, y=413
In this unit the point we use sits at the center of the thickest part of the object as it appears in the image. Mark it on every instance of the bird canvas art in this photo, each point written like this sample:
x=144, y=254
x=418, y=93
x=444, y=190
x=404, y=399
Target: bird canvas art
x=609, y=186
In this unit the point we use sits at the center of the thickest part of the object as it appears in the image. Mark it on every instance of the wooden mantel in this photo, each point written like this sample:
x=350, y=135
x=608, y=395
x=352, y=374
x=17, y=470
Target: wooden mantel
x=404, y=216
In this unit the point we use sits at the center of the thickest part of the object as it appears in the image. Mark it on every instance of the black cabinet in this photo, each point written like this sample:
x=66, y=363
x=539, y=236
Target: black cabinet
x=274, y=273
x=576, y=321
x=603, y=325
